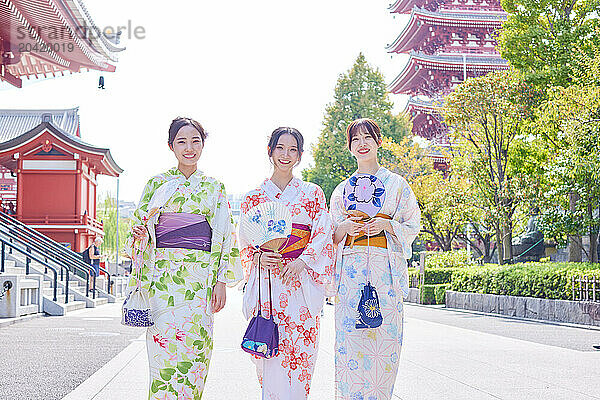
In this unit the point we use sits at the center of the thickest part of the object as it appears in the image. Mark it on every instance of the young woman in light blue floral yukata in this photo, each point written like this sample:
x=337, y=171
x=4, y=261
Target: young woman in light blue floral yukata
x=367, y=360
x=184, y=231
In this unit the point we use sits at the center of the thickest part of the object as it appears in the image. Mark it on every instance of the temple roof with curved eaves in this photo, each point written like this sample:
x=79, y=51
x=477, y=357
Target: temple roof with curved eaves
x=418, y=65
x=14, y=123
x=417, y=28
x=405, y=6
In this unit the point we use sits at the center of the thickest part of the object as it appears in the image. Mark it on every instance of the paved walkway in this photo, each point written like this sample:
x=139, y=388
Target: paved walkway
x=447, y=355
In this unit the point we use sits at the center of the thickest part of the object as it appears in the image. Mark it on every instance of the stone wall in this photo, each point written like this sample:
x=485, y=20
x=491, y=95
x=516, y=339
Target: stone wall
x=575, y=312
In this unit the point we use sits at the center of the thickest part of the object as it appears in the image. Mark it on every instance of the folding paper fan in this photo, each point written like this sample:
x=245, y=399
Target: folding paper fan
x=267, y=226
x=364, y=195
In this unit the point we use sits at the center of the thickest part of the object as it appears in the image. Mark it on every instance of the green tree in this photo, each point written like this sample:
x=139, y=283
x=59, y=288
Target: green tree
x=486, y=115
x=545, y=39
x=360, y=93
x=107, y=212
x=571, y=204
x=444, y=213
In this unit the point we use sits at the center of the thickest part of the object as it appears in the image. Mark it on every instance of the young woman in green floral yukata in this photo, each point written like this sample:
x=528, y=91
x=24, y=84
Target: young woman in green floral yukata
x=184, y=231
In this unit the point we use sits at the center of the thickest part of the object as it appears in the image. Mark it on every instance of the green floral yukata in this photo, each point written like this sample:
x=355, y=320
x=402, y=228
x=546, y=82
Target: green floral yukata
x=179, y=282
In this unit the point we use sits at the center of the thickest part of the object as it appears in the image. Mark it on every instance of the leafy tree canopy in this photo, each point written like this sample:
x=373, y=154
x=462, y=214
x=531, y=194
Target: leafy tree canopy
x=360, y=93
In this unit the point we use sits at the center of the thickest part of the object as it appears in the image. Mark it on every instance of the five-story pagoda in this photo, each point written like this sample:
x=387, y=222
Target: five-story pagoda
x=447, y=41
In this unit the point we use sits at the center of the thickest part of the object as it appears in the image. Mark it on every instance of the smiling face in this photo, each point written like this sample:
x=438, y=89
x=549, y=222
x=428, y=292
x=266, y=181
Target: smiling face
x=187, y=146
x=286, y=154
x=363, y=146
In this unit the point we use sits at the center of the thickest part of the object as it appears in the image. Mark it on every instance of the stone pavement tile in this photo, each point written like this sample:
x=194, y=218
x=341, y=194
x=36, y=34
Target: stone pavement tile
x=494, y=363
x=113, y=375
x=542, y=394
x=417, y=382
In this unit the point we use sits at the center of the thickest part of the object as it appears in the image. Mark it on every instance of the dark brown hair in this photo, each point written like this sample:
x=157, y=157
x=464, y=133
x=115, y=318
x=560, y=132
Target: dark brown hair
x=179, y=123
x=277, y=133
x=366, y=124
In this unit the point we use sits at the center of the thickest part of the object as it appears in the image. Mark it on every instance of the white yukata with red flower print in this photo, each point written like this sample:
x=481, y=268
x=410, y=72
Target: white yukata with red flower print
x=297, y=306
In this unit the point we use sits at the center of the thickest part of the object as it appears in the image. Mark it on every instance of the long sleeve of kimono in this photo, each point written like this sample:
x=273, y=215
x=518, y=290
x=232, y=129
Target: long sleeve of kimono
x=406, y=221
x=224, y=246
x=141, y=249
x=246, y=250
x=319, y=253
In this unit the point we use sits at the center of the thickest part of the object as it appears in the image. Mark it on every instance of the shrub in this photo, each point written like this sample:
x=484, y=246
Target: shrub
x=543, y=280
x=433, y=294
x=448, y=259
x=433, y=276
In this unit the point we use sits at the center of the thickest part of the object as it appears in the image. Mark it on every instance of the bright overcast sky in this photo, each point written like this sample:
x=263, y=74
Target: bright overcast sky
x=241, y=68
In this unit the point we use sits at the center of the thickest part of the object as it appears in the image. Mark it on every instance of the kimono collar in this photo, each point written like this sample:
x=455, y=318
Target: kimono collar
x=382, y=173
x=289, y=193
x=175, y=173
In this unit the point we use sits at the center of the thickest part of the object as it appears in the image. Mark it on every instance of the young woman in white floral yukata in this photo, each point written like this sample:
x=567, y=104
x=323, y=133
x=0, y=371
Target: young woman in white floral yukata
x=299, y=274
x=184, y=230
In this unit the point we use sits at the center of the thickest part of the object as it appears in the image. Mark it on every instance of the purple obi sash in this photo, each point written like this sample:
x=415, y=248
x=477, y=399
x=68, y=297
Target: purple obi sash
x=297, y=242
x=183, y=231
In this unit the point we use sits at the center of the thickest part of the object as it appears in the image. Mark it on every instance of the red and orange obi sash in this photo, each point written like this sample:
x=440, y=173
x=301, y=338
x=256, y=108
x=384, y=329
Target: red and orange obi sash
x=378, y=240
x=297, y=242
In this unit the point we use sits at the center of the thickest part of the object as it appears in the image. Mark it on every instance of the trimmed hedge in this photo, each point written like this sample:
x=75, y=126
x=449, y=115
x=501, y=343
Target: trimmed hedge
x=542, y=280
x=433, y=294
x=434, y=276
x=448, y=259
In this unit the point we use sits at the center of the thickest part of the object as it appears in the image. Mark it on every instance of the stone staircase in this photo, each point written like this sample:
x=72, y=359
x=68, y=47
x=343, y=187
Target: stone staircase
x=77, y=299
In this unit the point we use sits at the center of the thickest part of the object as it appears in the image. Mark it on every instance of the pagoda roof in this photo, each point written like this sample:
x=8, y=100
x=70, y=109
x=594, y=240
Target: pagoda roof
x=49, y=37
x=14, y=123
x=417, y=28
x=418, y=65
x=403, y=6
x=99, y=157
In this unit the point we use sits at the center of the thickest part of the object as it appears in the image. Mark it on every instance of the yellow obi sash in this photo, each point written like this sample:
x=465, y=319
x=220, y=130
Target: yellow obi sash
x=378, y=240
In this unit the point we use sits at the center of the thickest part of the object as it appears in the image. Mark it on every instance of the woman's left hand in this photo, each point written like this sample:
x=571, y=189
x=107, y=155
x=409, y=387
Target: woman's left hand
x=376, y=225
x=292, y=271
x=218, y=297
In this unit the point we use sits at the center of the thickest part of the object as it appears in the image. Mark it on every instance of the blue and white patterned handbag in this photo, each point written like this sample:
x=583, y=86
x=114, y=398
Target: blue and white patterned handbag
x=136, y=309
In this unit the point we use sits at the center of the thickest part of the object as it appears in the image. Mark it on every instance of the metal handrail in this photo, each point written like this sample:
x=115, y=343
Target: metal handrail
x=32, y=245
x=29, y=256
x=26, y=254
x=61, y=250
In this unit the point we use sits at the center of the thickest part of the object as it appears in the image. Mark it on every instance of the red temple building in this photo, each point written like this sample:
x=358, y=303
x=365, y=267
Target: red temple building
x=447, y=41
x=49, y=174
x=45, y=38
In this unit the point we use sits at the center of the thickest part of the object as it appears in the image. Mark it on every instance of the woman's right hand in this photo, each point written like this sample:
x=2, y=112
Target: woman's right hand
x=270, y=260
x=352, y=226
x=139, y=232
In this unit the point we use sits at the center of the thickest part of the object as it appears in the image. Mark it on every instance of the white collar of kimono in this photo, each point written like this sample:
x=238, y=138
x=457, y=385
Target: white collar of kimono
x=382, y=173
x=174, y=179
x=289, y=193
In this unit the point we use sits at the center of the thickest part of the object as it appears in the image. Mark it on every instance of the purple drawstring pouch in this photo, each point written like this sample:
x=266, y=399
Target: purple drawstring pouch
x=262, y=336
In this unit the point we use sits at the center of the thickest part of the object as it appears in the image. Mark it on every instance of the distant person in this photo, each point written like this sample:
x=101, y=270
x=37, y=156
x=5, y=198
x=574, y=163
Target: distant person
x=92, y=255
x=184, y=230
x=367, y=358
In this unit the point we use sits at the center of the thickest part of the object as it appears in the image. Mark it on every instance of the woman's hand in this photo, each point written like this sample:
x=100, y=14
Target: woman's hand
x=292, y=271
x=376, y=225
x=352, y=226
x=139, y=232
x=269, y=260
x=219, y=297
